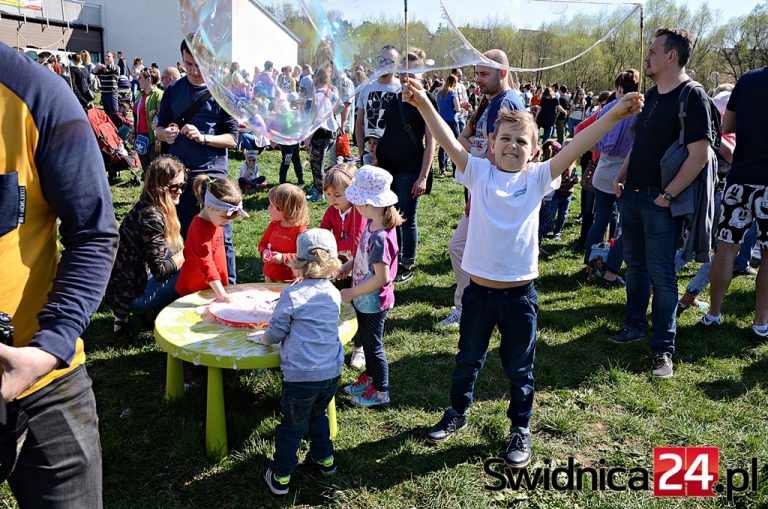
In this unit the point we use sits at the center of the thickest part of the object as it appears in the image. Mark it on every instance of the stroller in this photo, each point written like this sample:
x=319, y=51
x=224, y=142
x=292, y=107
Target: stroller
x=116, y=156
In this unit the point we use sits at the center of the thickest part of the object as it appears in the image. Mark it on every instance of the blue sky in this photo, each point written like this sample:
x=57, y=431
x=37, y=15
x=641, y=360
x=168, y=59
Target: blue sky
x=730, y=8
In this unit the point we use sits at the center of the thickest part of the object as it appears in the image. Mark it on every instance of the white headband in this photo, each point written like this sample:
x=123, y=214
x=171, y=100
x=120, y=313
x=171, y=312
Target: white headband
x=217, y=204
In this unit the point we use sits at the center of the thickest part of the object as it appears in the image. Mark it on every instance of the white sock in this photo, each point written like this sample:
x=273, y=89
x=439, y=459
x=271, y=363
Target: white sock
x=760, y=328
x=713, y=318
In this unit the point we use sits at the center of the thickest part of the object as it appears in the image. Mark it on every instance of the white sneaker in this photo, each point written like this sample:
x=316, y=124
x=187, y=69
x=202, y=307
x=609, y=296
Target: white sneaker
x=451, y=320
x=358, y=358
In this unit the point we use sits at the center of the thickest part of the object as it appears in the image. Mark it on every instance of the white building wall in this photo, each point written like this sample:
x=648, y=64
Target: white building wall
x=151, y=29
x=143, y=28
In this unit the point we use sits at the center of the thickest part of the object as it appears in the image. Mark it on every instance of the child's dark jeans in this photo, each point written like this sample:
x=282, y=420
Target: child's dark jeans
x=290, y=154
x=370, y=333
x=303, y=405
x=513, y=311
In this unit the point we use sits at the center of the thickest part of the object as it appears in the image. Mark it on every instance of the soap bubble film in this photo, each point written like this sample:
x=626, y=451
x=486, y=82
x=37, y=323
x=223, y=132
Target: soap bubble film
x=251, y=54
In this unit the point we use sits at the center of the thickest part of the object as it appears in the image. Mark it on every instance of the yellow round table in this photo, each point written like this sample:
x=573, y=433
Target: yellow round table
x=181, y=332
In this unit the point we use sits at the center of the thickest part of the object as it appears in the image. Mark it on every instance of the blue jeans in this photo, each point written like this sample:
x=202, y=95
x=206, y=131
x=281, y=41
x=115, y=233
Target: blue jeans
x=549, y=131
x=572, y=123
x=442, y=155
x=560, y=129
x=248, y=142
x=243, y=182
x=110, y=103
x=407, y=233
x=587, y=213
x=701, y=278
x=370, y=334
x=605, y=203
x=513, y=311
x=290, y=154
x=157, y=294
x=187, y=209
x=559, y=207
x=745, y=252
x=134, y=88
x=304, y=408
x=650, y=238
x=60, y=463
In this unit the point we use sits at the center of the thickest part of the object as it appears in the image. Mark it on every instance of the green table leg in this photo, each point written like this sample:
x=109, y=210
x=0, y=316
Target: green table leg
x=174, y=379
x=332, y=418
x=215, y=421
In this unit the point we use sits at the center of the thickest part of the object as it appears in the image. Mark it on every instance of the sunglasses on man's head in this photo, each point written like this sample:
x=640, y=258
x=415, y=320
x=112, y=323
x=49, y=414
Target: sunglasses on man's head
x=175, y=188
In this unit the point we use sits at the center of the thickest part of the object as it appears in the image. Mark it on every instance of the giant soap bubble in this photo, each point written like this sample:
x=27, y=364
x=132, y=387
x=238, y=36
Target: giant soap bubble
x=249, y=51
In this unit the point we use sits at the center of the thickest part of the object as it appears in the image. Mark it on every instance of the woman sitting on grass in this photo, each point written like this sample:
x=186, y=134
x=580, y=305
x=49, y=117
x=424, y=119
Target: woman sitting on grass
x=150, y=256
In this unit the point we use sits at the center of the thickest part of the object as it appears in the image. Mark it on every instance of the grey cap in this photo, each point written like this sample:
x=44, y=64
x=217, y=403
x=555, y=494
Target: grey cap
x=316, y=238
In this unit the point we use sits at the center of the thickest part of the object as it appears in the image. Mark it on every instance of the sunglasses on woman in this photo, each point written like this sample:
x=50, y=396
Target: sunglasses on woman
x=175, y=188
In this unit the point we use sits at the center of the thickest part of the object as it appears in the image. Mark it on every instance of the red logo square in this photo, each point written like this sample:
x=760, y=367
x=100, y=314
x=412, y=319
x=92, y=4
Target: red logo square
x=685, y=471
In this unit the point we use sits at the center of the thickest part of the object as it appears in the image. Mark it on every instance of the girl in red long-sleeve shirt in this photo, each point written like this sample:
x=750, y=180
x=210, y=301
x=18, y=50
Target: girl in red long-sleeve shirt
x=344, y=221
x=205, y=261
x=288, y=210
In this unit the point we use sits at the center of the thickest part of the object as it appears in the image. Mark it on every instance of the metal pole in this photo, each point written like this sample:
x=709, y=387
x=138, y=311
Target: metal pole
x=642, y=48
x=405, y=13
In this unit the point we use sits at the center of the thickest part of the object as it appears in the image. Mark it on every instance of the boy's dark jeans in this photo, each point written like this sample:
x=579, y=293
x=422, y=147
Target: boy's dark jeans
x=513, y=311
x=304, y=405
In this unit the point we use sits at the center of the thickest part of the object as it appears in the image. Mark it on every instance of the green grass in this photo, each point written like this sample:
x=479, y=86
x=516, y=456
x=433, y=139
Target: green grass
x=594, y=400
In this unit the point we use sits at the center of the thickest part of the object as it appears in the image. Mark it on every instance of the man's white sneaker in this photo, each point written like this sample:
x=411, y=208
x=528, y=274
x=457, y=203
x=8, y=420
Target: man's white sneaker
x=451, y=320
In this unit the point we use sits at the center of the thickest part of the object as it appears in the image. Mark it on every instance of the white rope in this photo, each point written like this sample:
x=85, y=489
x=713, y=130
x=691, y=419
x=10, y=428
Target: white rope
x=29, y=43
x=483, y=60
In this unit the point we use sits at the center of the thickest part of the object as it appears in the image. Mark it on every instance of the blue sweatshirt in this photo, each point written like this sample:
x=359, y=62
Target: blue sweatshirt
x=306, y=321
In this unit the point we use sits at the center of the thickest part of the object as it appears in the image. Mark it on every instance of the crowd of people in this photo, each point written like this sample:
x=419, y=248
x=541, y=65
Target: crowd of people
x=662, y=179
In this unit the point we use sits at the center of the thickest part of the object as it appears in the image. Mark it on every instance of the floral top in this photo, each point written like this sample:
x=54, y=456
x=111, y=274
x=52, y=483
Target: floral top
x=143, y=250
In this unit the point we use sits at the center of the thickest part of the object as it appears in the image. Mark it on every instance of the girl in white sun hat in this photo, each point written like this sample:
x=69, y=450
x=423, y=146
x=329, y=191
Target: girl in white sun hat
x=373, y=270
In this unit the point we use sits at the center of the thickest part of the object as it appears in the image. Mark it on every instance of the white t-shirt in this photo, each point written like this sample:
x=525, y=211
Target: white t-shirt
x=373, y=99
x=461, y=91
x=503, y=236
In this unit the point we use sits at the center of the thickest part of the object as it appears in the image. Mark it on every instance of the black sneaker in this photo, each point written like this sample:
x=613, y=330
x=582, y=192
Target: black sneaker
x=327, y=466
x=710, y=323
x=758, y=335
x=747, y=271
x=519, y=448
x=616, y=283
x=403, y=273
x=448, y=425
x=277, y=485
x=625, y=336
x=662, y=366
